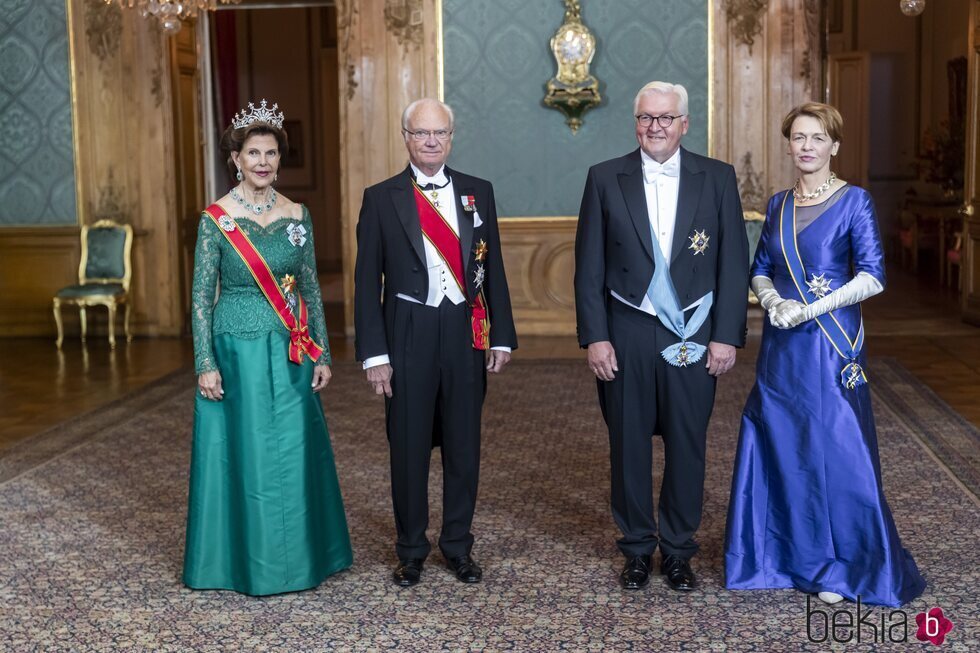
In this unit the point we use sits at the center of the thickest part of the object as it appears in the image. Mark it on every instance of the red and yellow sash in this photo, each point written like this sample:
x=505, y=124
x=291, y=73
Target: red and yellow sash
x=438, y=232
x=300, y=342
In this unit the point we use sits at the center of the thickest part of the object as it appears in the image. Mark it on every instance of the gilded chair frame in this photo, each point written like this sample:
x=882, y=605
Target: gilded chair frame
x=111, y=302
x=753, y=216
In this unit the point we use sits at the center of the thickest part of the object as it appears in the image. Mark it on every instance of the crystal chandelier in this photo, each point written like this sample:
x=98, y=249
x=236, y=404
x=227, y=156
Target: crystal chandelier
x=912, y=7
x=171, y=13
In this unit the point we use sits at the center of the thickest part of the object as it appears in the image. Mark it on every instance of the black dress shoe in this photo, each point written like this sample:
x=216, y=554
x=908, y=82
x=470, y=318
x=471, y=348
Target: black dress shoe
x=636, y=573
x=678, y=572
x=408, y=572
x=466, y=569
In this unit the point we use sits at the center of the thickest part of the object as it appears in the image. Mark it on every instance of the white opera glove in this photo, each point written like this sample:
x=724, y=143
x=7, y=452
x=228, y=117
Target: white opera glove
x=780, y=310
x=787, y=314
x=766, y=292
x=862, y=286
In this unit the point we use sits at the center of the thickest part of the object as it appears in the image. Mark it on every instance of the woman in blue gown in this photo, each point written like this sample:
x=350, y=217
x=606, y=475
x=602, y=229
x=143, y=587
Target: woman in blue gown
x=807, y=509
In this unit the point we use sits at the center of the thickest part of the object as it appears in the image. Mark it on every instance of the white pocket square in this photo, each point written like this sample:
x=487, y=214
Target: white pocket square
x=476, y=219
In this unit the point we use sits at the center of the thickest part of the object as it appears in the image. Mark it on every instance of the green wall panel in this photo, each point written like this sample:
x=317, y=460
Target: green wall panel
x=37, y=170
x=497, y=60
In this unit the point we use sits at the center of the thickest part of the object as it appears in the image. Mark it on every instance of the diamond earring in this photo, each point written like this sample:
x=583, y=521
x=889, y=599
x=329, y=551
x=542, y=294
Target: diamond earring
x=239, y=175
x=276, y=178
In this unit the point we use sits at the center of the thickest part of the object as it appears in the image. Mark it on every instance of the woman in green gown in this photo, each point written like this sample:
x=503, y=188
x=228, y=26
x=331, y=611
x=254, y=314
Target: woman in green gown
x=265, y=512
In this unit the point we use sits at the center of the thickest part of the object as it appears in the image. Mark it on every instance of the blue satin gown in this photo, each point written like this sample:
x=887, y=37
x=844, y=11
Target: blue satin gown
x=807, y=509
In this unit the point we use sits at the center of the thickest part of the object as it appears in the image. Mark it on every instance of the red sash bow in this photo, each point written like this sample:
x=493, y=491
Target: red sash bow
x=300, y=342
x=438, y=232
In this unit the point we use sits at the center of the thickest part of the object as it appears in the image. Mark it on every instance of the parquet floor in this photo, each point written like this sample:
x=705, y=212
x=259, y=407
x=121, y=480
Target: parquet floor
x=913, y=321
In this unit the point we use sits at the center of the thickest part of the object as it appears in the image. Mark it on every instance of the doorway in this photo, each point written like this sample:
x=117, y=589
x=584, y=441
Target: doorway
x=901, y=85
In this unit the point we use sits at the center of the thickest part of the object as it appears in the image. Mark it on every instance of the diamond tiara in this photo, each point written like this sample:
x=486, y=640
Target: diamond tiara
x=262, y=114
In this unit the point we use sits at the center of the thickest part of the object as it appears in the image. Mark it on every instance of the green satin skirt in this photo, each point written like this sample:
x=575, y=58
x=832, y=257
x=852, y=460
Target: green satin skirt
x=265, y=513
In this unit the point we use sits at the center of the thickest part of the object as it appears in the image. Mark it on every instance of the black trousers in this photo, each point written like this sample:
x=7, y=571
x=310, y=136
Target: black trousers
x=647, y=397
x=438, y=386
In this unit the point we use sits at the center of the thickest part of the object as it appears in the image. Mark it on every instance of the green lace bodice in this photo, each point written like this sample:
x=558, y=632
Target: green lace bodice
x=242, y=310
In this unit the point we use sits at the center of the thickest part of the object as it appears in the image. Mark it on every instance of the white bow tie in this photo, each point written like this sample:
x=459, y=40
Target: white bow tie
x=652, y=170
x=438, y=180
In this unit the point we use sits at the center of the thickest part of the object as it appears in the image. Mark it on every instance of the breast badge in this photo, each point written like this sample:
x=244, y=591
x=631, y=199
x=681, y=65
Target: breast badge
x=699, y=242
x=296, y=234
x=819, y=285
x=226, y=223
x=480, y=253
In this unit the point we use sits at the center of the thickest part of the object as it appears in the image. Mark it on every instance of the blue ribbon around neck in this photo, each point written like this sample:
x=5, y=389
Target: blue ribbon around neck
x=663, y=297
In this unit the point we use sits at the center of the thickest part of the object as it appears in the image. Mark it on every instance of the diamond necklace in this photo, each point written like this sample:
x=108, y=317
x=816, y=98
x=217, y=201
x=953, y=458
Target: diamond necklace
x=817, y=192
x=257, y=209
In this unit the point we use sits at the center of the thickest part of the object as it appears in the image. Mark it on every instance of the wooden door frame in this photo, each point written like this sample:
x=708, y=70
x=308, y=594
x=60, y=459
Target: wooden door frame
x=969, y=272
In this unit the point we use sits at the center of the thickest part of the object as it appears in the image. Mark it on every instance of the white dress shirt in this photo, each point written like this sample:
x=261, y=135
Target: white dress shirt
x=661, y=183
x=442, y=285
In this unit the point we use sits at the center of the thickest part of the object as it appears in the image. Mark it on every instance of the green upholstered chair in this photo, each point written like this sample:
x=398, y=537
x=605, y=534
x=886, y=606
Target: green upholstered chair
x=753, y=229
x=103, y=276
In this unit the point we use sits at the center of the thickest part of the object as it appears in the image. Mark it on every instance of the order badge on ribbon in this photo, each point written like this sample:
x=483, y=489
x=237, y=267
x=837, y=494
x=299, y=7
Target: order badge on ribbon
x=852, y=375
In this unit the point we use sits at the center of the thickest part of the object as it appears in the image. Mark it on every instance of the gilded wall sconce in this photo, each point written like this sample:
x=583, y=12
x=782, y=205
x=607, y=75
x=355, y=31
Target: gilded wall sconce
x=573, y=91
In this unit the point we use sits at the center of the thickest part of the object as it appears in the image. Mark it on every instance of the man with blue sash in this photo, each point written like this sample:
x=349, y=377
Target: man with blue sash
x=661, y=286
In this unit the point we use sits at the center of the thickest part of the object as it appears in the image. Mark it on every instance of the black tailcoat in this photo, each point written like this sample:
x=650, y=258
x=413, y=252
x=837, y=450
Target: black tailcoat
x=438, y=379
x=614, y=252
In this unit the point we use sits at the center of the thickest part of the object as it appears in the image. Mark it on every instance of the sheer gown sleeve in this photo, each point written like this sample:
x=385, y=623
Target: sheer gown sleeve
x=207, y=262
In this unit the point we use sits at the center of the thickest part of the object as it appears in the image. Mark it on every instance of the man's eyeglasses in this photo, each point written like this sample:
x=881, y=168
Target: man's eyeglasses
x=440, y=134
x=665, y=121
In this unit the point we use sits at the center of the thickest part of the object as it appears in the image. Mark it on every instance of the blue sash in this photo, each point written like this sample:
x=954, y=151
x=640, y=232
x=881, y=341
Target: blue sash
x=851, y=375
x=665, y=302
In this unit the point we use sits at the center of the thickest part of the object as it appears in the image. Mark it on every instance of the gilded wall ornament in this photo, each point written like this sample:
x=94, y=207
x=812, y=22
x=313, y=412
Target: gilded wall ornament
x=745, y=19
x=403, y=18
x=156, y=76
x=573, y=91
x=111, y=204
x=752, y=187
x=103, y=30
x=810, y=64
x=347, y=14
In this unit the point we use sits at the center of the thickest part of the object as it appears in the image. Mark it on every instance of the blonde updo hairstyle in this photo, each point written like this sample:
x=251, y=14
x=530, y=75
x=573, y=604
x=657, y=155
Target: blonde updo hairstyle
x=828, y=117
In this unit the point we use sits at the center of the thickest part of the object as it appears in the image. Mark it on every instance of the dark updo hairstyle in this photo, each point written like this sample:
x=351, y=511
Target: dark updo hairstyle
x=233, y=140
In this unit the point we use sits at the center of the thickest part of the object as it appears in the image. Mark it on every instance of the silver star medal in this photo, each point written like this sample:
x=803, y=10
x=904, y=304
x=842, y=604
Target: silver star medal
x=226, y=223
x=296, y=234
x=699, y=242
x=478, y=276
x=819, y=285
